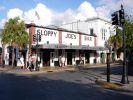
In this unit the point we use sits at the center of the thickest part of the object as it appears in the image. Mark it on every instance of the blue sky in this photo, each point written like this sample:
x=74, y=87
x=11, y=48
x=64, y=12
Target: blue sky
x=59, y=11
x=58, y=5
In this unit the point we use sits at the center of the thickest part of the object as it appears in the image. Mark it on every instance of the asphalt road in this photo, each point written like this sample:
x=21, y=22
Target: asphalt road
x=68, y=85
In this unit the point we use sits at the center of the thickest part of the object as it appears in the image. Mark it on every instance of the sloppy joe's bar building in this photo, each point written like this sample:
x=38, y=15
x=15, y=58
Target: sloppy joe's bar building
x=55, y=42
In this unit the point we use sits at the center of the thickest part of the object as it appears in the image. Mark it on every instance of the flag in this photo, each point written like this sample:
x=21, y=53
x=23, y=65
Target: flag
x=37, y=15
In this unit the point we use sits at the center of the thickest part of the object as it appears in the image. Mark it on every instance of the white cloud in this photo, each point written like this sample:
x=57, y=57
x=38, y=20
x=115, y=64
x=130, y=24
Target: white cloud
x=103, y=11
x=64, y=17
x=12, y=13
x=84, y=11
x=45, y=15
x=115, y=5
x=2, y=22
x=49, y=16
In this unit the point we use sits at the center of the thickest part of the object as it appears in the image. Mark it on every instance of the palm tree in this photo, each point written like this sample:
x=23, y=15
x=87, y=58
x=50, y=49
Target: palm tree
x=129, y=37
x=15, y=35
x=116, y=41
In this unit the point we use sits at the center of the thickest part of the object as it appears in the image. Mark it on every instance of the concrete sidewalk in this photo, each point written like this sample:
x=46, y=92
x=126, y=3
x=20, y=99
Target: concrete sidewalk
x=18, y=70
x=48, y=69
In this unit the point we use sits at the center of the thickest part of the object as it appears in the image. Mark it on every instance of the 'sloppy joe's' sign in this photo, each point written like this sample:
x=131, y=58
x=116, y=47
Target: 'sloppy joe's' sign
x=52, y=36
x=70, y=38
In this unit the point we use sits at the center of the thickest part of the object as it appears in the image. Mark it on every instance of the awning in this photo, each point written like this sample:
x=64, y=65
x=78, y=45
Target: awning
x=83, y=47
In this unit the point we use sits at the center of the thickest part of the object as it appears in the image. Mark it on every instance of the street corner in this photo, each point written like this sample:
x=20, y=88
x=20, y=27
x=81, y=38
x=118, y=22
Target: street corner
x=112, y=86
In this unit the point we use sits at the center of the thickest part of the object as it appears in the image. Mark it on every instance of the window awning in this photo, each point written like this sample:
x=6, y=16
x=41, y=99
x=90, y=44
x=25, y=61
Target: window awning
x=55, y=46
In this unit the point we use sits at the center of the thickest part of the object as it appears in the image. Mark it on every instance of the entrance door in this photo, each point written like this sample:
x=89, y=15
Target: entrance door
x=69, y=58
x=10, y=58
x=46, y=58
x=102, y=57
x=87, y=58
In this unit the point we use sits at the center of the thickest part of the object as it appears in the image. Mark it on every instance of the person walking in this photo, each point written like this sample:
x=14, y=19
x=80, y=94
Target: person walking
x=22, y=62
x=34, y=59
x=60, y=61
x=29, y=62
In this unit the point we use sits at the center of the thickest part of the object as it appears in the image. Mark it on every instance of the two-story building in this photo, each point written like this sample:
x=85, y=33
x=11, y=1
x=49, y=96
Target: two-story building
x=86, y=40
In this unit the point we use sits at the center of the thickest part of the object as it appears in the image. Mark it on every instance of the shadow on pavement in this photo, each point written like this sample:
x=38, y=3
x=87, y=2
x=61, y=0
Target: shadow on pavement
x=13, y=87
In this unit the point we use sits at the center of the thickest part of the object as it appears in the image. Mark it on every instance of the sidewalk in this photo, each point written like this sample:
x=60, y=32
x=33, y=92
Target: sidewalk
x=18, y=70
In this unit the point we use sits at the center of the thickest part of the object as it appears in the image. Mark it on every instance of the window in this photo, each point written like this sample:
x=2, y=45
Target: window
x=90, y=38
x=91, y=31
x=103, y=32
x=47, y=42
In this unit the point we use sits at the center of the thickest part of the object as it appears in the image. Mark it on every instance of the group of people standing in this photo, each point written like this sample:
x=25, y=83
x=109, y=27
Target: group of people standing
x=31, y=63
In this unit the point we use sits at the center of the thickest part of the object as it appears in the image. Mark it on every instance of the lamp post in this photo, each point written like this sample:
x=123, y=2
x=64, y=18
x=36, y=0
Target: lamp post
x=124, y=79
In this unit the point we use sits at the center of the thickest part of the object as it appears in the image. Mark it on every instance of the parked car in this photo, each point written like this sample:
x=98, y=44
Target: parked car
x=130, y=64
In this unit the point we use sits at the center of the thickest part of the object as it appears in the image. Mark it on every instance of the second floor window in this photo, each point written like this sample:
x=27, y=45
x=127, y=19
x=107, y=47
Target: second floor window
x=91, y=31
x=103, y=33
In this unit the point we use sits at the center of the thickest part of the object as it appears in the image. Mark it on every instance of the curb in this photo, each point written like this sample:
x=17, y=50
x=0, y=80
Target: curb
x=27, y=72
x=55, y=69
x=111, y=86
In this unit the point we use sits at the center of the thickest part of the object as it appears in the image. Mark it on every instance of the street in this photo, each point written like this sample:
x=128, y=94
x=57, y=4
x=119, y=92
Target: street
x=66, y=85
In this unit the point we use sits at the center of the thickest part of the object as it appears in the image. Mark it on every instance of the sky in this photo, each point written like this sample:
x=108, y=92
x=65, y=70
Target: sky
x=57, y=12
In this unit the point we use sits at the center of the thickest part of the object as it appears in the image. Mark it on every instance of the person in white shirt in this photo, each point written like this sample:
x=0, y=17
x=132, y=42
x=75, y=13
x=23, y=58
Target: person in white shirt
x=60, y=61
x=22, y=61
x=7, y=59
x=63, y=61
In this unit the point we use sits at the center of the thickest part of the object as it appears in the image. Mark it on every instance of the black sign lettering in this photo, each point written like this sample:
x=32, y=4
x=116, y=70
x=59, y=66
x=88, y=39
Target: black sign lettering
x=87, y=38
x=38, y=32
x=55, y=34
x=71, y=36
x=46, y=32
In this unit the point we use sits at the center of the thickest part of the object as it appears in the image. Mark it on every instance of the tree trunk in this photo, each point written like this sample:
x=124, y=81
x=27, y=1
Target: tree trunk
x=13, y=56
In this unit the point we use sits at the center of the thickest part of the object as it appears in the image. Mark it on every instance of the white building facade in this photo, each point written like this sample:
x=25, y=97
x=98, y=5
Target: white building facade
x=99, y=26
x=81, y=40
x=73, y=41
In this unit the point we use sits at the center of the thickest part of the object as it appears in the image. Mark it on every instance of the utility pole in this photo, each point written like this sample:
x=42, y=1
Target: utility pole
x=108, y=67
x=38, y=38
x=118, y=18
x=36, y=52
x=124, y=79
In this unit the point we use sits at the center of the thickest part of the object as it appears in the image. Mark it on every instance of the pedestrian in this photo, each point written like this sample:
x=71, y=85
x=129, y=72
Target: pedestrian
x=22, y=62
x=38, y=64
x=81, y=60
x=63, y=61
x=29, y=62
x=60, y=61
x=7, y=59
x=34, y=61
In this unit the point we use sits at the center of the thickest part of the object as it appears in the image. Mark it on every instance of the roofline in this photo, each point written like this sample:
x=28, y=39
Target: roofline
x=58, y=29
x=97, y=18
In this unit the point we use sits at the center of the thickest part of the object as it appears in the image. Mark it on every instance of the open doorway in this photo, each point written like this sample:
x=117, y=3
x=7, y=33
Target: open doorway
x=69, y=58
x=46, y=58
x=87, y=57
